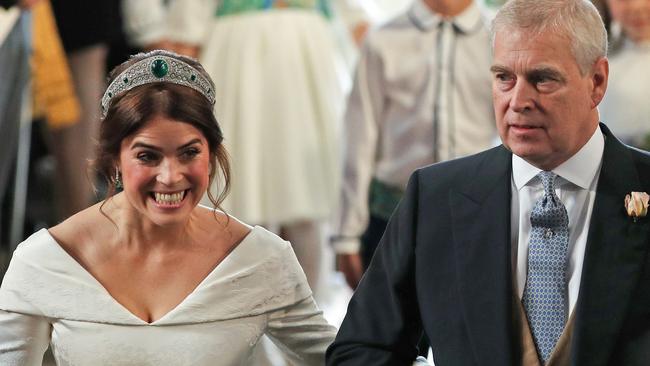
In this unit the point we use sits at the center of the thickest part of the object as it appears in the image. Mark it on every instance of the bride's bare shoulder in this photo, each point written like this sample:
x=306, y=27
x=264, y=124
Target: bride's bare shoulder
x=82, y=228
x=223, y=225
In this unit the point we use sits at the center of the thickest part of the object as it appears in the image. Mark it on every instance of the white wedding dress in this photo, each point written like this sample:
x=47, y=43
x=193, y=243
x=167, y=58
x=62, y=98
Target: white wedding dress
x=47, y=298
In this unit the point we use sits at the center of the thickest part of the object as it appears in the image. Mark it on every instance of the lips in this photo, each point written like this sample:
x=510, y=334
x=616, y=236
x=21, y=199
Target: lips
x=523, y=125
x=524, y=131
x=170, y=198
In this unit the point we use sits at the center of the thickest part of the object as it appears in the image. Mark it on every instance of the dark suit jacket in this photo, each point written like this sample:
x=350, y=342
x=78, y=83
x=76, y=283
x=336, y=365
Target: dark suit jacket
x=444, y=266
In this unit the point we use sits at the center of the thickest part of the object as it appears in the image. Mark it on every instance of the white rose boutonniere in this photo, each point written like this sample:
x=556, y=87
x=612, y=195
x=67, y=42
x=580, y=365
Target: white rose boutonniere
x=636, y=204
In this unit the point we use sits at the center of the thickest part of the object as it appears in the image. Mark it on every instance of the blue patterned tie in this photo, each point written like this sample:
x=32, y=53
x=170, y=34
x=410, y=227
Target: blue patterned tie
x=545, y=293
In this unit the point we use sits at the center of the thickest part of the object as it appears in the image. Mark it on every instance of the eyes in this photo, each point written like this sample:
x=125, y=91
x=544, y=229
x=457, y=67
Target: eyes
x=543, y=82
x=150, y=157
x=504, y=80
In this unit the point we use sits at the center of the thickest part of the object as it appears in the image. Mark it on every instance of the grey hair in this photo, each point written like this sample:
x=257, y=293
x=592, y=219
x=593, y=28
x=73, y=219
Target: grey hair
x=577, y=20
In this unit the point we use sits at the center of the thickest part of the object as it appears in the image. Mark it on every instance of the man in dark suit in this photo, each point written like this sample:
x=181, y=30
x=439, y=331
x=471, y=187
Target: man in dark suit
x=523, y=254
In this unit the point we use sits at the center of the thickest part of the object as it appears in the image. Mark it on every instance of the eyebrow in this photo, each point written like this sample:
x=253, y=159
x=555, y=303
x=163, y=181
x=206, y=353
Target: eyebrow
x=536, y=72
x=546, y=71
x=498, y=68
x=152, y=147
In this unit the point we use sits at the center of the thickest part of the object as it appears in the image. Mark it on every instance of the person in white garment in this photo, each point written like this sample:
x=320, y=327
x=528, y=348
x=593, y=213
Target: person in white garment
x=625, y=107
x=149, y=276
x=421, y=95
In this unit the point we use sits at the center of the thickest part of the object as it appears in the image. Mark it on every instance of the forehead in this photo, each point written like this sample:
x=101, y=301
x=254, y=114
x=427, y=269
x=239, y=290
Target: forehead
x=521, y=50
x=162, y=131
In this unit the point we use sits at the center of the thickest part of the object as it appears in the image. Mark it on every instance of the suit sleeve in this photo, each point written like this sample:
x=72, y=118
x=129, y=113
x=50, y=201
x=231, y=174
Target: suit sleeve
x=382, y=325
x=23, y=339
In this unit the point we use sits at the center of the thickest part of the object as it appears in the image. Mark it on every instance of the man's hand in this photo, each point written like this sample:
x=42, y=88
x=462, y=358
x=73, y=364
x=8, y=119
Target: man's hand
x=352, y=268
x=359, y=32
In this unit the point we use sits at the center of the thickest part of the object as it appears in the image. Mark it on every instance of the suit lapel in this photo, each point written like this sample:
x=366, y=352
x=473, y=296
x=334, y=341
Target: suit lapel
x=481, y=229
x=616, y=247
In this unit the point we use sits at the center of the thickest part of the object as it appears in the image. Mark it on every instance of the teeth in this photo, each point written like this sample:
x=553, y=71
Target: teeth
x=170, y=199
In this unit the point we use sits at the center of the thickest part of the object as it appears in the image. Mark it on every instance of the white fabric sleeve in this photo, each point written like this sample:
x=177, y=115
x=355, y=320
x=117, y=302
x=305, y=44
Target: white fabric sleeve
x=144, y=21
x=23, y=339
x=301, y=332
x=189, y=20
x=362, y=119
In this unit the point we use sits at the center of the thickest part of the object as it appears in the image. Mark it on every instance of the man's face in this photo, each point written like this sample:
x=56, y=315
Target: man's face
x=545, y=109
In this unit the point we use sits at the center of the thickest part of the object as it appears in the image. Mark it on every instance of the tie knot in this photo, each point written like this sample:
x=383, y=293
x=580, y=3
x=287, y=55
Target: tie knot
x=548, y=182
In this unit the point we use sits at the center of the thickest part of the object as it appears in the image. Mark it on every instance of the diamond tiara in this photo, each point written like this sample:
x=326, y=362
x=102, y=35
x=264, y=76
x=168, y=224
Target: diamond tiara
x=157, y=69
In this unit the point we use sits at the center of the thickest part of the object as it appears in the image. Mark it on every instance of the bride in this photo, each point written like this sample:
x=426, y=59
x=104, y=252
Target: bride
x=148, y=276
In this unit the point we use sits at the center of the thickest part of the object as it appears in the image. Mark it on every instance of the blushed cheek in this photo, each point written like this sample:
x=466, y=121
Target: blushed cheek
x=134, y=178
x=201, y=172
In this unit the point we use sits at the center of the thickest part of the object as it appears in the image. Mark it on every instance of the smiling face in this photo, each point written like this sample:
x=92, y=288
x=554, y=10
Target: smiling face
x=634, y=17
x=545, y=108
x=165, y=170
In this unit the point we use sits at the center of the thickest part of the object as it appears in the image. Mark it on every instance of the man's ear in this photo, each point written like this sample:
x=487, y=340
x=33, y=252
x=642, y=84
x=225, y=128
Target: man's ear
x=599, y=76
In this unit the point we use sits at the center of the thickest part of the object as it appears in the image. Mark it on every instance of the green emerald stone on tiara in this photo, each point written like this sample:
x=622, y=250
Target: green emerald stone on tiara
x=159, y=68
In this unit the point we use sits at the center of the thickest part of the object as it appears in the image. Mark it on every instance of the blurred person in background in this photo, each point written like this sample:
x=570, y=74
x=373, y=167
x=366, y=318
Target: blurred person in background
x=56, y=101
x=86, y=29
x=15, y=48
x=626, y=109
x=275, y=70
x=421, y=95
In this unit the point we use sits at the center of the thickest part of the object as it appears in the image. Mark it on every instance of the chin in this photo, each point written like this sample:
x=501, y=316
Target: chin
x=170, y=216
x=168, y=220
x=527, y=151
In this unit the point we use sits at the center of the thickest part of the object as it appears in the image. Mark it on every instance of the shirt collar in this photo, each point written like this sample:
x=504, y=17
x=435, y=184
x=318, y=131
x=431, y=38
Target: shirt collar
x=469, y=21
x=580, y=169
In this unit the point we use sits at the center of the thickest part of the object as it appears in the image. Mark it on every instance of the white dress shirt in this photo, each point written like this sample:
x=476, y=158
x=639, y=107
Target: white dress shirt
x=576, y=188
x=422, y=94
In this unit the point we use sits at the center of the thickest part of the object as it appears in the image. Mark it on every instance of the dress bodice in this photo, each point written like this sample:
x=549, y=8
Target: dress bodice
x=48, y=297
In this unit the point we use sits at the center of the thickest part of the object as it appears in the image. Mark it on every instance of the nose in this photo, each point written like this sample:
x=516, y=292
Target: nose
x=523, y=97
x=169, y=172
